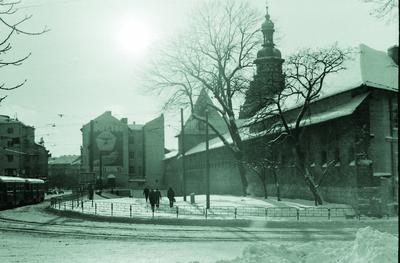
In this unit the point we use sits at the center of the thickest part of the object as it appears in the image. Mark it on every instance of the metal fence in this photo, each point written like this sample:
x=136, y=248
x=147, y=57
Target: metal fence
x=94, y=207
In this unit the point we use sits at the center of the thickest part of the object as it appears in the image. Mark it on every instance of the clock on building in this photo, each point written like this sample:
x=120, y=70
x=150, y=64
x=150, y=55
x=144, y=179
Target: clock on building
x=106, y=141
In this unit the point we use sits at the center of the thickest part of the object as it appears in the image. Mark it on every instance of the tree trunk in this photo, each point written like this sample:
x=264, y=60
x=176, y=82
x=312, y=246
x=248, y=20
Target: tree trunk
x=242, y=172
x=314, y=191
x=278, y=195
x=307, y=176
x=264, y=180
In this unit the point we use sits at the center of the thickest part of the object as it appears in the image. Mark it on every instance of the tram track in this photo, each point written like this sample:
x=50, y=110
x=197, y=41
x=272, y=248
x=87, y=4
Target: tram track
x=164, y=234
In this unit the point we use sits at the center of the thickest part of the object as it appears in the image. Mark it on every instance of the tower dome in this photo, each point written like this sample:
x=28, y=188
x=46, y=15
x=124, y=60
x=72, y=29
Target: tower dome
x=268, y=49
x=268, y=24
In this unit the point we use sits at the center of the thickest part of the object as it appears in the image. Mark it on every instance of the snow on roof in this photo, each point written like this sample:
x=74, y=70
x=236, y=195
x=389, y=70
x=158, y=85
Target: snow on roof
x=217, y=143
x=65, y=159
x=369, y=67
x=338, y=111
x=135, y=126
x=170, y=155
x=12, y=179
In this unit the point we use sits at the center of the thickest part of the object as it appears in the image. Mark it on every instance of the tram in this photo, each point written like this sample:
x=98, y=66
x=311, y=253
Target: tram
x=17, y=191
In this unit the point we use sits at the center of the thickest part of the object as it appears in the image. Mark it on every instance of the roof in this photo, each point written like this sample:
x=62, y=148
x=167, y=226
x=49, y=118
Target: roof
x=170, y=155
x=335, y=112
x=338, y=111
x=136, y=127
x=14, y=179
x=201, y=104
x=371, y=67
x=65, y=159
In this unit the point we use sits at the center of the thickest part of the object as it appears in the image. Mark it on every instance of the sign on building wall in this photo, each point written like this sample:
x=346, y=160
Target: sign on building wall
x=108, y=144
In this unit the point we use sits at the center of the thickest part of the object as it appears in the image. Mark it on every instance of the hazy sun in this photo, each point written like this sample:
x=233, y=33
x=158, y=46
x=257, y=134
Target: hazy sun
x=133, y=36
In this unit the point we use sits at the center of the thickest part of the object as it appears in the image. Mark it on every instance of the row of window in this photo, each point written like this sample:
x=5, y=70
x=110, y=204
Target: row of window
x=284, y=160
x=11, y=158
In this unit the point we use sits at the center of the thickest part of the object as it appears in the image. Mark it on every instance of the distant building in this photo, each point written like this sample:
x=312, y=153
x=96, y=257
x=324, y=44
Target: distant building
x=64, y=171
x=19, y=154
x=130, y=154
x=354, y=123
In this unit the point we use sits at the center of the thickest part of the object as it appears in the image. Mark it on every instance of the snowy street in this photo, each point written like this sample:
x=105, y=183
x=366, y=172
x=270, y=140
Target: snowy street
x=46, y=237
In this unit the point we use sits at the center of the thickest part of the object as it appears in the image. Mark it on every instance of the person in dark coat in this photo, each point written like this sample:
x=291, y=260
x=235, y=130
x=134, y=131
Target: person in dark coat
x=152, y=199
x=146, y=192
x=158, y=197
x=171, y=197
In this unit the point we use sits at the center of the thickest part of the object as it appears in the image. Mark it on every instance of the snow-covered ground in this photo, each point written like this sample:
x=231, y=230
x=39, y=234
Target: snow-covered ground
x=370, y=246
x=221, y=207
x=32, y=234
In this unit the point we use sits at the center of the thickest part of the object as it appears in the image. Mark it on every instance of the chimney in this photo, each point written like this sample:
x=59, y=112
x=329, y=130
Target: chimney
x=124, y=120
x=393, y=52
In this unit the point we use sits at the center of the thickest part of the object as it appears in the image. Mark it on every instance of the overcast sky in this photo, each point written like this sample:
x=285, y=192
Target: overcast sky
x=90, y=60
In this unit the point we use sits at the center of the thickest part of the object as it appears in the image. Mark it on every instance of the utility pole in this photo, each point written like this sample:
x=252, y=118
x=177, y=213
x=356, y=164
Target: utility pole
x=183, y=156
x=91, y=146
x=90, y=151
x=207, y=166
x=101, y=170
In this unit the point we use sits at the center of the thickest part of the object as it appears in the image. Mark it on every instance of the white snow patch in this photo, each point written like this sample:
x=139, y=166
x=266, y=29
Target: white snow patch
x=369, y=246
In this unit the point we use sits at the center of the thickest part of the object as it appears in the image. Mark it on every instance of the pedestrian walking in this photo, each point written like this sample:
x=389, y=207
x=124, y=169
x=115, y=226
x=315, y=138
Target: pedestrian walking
x=171, y=196
x=152, y=199
x=146, y=192
x=158, y=197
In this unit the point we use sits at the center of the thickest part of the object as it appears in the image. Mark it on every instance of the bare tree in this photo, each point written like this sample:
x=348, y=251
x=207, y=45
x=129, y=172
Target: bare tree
x=384, y=8
x=305, y=73
x=216, y=54
x=8, y=10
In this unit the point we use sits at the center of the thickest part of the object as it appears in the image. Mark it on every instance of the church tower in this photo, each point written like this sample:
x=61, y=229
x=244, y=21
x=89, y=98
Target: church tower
x=268, y=80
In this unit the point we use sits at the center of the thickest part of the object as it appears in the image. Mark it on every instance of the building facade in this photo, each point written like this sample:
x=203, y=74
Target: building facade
x=19, y=154
x=354, y=124
x=121, y=154
x=64, y=171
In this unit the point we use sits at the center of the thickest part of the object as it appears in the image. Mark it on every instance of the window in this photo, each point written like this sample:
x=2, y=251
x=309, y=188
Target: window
x=10, y=130
x=10, y=143
x=131, y=155
x=283, y=160
x=131, y=169
x=337, y=155
x=394, y=114
x=15, y=141
x=131, y=139
x=10, y=158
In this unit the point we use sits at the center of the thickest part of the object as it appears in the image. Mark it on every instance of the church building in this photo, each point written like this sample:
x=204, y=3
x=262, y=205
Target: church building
x=354, y=123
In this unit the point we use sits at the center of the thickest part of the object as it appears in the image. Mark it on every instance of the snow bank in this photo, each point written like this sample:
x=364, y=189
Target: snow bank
x=372, y=246
x=369, y=246
x=265, y=253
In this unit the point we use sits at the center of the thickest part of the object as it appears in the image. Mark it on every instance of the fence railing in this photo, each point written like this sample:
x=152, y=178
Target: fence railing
x=94, y=207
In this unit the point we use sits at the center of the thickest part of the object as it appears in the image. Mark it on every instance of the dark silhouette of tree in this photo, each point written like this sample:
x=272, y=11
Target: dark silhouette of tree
x=8, y=10
x=216, y=54
x=305, y=73
x=384, y=8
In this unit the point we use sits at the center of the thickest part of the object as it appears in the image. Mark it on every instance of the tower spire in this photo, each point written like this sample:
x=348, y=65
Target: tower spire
x=266, y=9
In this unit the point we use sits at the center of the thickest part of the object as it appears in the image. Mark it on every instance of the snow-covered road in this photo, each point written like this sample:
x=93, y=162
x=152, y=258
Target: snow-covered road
x=31, y=234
